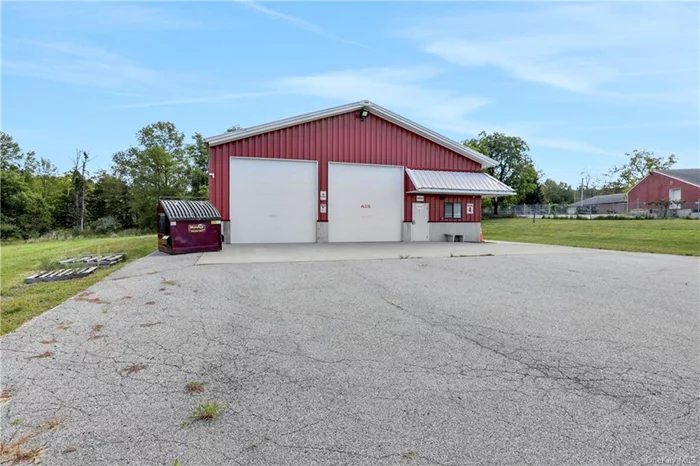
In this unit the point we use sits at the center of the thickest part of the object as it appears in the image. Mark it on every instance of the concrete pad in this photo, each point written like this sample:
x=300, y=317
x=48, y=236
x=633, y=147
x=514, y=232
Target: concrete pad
x=313, y=252
x=587, y=357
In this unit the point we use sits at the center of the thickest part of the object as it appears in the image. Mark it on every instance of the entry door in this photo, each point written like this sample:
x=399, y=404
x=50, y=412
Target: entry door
x=419, y=228
x=674, y=195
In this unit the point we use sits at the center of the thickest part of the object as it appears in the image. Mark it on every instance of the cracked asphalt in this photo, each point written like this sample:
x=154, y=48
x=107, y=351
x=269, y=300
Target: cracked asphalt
x=574, y=358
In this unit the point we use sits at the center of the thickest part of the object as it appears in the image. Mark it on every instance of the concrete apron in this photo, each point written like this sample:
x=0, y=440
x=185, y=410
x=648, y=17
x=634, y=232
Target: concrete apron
x=312, y=252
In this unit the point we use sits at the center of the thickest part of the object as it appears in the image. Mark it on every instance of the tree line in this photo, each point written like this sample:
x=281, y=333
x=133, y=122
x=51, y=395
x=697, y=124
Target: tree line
x=517, y=169
x=35, y=198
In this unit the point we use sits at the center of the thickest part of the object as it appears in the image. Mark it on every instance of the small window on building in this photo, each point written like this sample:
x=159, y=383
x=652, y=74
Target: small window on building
x=453, y=210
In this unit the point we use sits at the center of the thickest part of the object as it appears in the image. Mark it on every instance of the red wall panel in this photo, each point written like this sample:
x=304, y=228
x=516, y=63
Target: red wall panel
x=341, y=138
x=656, y=186
x=437, y=207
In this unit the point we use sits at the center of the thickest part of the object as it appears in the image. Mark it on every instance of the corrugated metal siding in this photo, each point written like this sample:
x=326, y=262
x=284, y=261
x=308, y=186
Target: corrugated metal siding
x=342, y=138
x=437, y=205
x=449, y=181
x=656, y=186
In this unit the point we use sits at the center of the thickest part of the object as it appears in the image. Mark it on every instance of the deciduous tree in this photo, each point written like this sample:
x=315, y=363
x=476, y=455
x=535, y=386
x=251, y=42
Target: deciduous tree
x=639, y=165
x=157, y=167
x=510, y=152
x=557, y=193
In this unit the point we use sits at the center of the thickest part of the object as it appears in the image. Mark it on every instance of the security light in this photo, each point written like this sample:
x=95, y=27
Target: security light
x=364, y=113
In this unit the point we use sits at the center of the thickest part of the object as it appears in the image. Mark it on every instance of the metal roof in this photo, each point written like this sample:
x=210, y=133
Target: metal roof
x=689, y=175
x=182, y=209
x=443, y=182
x=373, y=109
x=602, y=199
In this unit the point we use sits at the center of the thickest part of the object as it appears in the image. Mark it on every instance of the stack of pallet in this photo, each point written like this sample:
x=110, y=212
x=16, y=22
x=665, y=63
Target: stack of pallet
x=104, y=260
x=76, y=267
x=60, y=274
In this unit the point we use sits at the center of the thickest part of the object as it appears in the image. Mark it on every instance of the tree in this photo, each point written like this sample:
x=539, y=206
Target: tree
x=162, y=134
x=511, y=154
x=589, y=186
x=80, y=182
x=10, y=152
x=110, y=197
x=528, y=186
x=45, y=172
x=157, y=167
x=639, y=165
x=24, y=211
x=198, y=155
x=557, y=193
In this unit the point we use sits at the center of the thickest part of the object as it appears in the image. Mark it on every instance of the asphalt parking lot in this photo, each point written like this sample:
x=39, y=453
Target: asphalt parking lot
x=575, y=357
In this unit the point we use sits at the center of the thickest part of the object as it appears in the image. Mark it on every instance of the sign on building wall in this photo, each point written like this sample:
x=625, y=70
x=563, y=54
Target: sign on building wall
x=470, y=209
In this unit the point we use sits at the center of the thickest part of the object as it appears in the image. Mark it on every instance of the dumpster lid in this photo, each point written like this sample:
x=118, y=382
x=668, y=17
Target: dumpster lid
x=182, y=209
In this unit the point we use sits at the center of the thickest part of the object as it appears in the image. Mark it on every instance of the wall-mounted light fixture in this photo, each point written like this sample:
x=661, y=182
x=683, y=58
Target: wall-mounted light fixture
x=364, y=113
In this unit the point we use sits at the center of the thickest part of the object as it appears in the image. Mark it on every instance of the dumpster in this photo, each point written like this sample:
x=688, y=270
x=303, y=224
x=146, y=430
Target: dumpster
x=188, y=226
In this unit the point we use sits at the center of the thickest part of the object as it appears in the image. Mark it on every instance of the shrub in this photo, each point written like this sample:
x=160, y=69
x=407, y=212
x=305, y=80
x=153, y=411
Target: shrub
x=9, y=231
x=105, y=225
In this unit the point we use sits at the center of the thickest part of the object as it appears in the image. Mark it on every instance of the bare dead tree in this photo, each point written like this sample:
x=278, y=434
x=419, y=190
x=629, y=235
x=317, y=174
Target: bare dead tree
x=80, y=174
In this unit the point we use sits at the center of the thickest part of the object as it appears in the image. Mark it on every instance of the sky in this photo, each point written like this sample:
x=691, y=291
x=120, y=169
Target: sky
x=581, y=83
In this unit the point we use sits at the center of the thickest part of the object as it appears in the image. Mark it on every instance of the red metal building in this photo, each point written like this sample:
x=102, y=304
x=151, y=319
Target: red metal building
x=680, y=186
x=357, y=172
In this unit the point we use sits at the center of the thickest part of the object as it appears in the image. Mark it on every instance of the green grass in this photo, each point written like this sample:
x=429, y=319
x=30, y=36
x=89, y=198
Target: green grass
x=22, y=302
x=680, y=237
x=207, y=411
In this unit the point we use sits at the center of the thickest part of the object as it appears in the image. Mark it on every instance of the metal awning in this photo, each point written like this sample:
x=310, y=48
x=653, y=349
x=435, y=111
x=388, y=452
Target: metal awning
x=473, y=183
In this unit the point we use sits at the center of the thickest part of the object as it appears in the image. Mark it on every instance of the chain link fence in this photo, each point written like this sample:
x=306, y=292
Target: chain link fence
x=685, y=209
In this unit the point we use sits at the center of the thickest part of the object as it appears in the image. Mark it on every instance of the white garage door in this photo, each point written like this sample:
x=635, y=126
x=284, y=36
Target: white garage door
x=273, y=201
x=365, y=202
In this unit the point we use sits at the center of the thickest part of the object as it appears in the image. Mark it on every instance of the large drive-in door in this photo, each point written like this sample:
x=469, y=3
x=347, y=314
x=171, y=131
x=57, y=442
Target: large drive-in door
x=273, y=201
x=365, y=202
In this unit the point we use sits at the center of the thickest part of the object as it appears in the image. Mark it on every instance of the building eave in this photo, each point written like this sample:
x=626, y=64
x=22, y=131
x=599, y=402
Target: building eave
x=464, y=193
x=374, y=109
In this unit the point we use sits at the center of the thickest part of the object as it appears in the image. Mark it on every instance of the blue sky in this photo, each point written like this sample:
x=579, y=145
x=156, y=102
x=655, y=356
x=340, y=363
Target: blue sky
x=581, y=83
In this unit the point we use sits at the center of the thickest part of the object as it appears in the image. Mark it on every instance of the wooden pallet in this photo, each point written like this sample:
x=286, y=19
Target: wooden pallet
x=97, y=260
x=60, y=274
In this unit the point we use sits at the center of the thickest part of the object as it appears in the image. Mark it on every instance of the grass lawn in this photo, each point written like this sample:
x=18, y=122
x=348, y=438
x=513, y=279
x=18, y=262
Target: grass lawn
x=659, y=236
x=21, y=302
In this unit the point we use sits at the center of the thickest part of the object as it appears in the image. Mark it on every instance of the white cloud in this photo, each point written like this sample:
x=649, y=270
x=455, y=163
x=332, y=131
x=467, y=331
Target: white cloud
x=299, y=22
x=403, y=90
x=197, y=100
x=633, y=51
x=79, y=65
x=395, y=88
x=103, y=15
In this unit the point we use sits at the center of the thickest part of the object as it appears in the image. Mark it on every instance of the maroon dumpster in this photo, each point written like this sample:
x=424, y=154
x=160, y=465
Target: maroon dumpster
x=188, y=226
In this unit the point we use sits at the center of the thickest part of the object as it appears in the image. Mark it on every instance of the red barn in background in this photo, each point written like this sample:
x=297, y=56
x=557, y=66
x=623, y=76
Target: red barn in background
x=681, y=187
x=356, y=172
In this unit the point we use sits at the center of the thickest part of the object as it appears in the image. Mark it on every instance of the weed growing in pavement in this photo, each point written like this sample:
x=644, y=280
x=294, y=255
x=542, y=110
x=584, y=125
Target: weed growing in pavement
x=207, y=411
